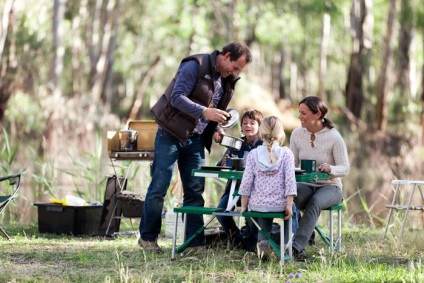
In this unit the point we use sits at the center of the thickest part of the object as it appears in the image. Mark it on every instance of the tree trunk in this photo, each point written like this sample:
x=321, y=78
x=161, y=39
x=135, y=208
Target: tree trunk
x=405, y=40
x=56, y=70
x=361, y=30
x=7, y=8
x=383, y=86
x=354, y=86
x=281, y=74
x=8, y=62
x=78, y=82
x=276, y=74
x=293, y=82
x=140, y=98
x=107, y=85
x=58, y=48
x=100, y=49
x=253, y=13
x=422, y=102
x=326, y=25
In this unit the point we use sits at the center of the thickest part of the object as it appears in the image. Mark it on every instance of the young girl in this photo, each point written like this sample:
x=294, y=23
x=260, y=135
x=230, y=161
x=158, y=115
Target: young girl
x=250, y=122
x=269, y=183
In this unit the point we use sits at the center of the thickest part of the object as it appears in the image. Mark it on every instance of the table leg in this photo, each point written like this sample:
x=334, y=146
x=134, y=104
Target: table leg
x=127, y=171
x=331, y=232
x=339, y=230
x=174, y=238
x=188, y=241
x=232, y=201
x=414, y=186
x=391, y=210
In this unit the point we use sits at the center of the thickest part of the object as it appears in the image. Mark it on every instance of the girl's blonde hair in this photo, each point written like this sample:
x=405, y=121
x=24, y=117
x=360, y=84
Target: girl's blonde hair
x=272, y=133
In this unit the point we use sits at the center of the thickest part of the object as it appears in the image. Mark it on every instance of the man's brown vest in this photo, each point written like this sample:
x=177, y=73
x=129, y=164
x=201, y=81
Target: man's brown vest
x=182, y=125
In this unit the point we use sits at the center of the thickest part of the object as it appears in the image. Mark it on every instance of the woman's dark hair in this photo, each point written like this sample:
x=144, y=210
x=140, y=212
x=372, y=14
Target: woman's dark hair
x=252, y=114
x=237, y=50
x=315, y=104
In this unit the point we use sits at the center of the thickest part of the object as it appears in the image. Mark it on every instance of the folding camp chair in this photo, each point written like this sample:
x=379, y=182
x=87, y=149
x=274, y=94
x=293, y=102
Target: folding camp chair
x=335, y=244
x=12, y=185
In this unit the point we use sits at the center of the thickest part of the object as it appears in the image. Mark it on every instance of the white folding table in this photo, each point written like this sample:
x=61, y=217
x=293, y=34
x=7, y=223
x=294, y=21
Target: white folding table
x=412, y=186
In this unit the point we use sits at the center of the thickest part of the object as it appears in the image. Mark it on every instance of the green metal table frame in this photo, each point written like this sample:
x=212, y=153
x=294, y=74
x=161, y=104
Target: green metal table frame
x=237, y=175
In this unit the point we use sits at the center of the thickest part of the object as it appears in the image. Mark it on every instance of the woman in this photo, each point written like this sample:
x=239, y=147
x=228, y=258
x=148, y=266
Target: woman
x=317, y=139
x=269, y=183
x=250, y=122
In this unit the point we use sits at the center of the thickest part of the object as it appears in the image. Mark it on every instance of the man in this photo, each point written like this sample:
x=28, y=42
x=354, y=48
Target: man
x=188, y=114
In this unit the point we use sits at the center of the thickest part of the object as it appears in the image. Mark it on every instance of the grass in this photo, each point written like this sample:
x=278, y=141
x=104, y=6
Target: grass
x=34, y=257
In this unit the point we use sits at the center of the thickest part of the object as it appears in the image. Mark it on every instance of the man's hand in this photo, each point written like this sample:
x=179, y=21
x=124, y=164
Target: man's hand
x=216, y=115
x=217, y=136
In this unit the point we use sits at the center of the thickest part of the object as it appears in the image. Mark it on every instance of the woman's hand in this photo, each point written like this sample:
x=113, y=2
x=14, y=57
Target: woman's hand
x=325, y=168
x=243, y=209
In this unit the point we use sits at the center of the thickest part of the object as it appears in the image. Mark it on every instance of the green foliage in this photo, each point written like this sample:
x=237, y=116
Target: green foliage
x=420, y=17
x=8, y=166
x=369, y=211
x=45, y=179
x=32, y=122
x=7, y=154
x=282, y=31
x=151, y=38
x=87, y=175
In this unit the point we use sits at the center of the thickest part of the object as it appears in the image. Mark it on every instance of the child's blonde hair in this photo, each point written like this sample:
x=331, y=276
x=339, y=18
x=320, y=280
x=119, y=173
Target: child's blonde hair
x=272, y=133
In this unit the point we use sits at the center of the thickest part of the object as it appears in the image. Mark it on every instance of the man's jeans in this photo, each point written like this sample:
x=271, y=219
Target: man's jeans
x=169, y=151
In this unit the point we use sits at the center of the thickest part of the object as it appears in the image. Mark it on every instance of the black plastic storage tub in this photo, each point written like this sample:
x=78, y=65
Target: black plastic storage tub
x=71, y=220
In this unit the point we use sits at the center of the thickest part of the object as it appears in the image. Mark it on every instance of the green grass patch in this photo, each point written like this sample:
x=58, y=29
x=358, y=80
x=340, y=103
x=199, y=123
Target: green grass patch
x=34, y=257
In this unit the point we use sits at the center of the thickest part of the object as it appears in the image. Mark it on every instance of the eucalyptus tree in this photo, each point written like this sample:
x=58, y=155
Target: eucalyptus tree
x=406, y=80
x=405, y=38
x=383, y=84
x=361, y=26
x=7, y=62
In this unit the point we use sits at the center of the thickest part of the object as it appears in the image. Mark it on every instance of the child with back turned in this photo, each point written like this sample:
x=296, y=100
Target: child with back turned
x=269, y=183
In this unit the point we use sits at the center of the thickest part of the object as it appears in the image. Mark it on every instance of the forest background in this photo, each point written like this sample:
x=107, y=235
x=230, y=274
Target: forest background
x=72, y=70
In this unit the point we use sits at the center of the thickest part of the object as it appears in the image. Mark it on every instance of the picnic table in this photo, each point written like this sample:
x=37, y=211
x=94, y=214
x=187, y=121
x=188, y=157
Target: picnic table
x=232, y=175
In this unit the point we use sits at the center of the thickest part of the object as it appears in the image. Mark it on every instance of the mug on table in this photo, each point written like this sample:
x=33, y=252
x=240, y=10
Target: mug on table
x=309, y=165
x=237, y=164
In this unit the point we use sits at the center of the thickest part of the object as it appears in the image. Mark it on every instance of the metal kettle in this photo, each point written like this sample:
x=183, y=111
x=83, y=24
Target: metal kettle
x=128, y=140
x=231, y=142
